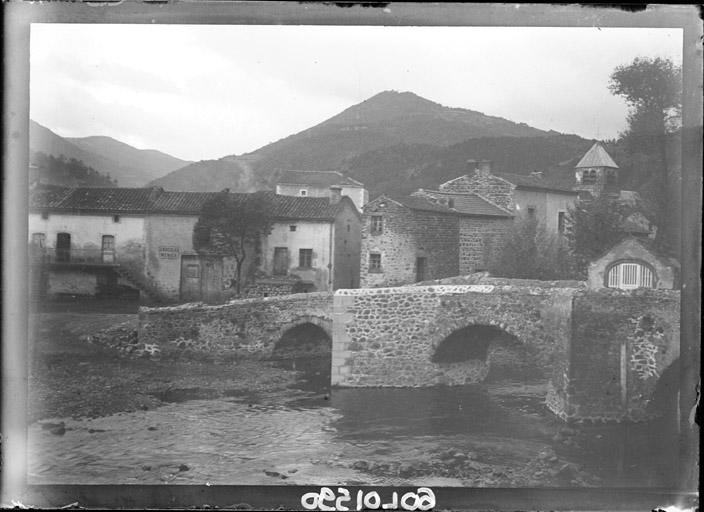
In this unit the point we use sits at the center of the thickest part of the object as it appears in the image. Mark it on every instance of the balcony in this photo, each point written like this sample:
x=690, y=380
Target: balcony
x=72, y=257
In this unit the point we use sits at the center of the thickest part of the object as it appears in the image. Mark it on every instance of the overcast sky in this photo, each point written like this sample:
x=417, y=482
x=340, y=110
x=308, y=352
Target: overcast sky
x=203, y=92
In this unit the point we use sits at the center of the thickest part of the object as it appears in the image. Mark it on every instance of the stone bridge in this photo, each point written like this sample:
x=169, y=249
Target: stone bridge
x=603, y=352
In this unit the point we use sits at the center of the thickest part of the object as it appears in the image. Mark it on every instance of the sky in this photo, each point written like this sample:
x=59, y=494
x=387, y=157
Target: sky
x=206, y=91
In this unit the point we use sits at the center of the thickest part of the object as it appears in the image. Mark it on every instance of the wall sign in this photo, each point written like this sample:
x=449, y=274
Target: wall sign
x=168, y=253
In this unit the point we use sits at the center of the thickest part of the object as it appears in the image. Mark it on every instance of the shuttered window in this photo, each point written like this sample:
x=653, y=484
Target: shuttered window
x=628, y=276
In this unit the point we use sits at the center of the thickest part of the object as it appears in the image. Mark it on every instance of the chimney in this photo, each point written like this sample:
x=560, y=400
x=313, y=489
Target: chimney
x=482, y=167
x=335, y=194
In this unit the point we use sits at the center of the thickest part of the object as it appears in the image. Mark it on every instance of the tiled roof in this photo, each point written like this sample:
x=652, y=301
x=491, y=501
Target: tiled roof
x=317, y=178
x=596, y=157
x=555, y=181
x=156, y=200
x=471, y=204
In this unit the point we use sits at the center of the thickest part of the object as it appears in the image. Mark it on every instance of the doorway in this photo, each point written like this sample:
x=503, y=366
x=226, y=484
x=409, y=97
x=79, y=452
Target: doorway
x=63, y=247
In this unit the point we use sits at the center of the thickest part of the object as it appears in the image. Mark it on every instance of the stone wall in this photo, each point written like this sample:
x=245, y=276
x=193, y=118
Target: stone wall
x=247, y=328
x=493, y=188
x=481, y=239
x=387, y=337
x=621, y=343
x=408, y=234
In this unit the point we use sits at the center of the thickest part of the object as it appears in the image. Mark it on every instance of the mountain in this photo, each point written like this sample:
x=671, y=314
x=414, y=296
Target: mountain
x=131, y=167
x=404, y=168
x=388, y=119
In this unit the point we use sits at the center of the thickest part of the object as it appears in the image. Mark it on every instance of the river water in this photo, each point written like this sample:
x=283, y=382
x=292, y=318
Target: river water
x=497, y=434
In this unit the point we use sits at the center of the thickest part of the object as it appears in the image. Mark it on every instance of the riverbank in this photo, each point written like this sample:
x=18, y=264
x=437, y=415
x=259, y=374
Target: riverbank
x=71, y=377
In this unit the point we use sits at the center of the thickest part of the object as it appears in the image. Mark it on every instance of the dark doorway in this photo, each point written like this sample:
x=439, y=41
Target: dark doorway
x=190, y=278
x=280, y=261
x=420, y=268
x=63, y=247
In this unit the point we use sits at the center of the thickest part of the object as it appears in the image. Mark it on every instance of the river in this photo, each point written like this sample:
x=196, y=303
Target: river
x=497, y=434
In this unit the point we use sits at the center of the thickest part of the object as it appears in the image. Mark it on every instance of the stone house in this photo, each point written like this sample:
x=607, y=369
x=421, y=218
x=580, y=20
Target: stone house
x=321, y=184
x=428, y=235
x=632, y=263
x=540, y=196
x=89, y=241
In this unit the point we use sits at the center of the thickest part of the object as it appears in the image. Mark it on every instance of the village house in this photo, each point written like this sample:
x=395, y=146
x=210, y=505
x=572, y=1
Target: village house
x=88, y=241
x=545, y=198
x=428, y=235
x=319, y=184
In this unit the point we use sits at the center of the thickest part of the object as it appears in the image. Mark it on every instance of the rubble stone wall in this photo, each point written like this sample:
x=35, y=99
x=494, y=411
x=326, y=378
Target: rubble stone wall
x=387, y=337
x=247, y=328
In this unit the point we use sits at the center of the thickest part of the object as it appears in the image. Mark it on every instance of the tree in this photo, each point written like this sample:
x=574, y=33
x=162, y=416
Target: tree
x=652, y=87
x=592, y=227
x=232, y=225
x=530, y=252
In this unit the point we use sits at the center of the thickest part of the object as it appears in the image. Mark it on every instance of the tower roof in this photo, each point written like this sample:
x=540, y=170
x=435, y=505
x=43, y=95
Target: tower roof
x=596, y=157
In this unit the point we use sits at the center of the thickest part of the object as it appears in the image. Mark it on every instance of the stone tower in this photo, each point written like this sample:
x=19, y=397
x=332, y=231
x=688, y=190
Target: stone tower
x=596, y=172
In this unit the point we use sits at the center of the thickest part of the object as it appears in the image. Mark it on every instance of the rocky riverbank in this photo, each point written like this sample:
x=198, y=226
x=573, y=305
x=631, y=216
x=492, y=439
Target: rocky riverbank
x=90, y=365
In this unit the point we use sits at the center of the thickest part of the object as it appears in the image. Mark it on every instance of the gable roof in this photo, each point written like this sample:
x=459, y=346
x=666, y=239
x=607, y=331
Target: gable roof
x=469, y=203
x=465, y=205
x=317, y=179
x=552, y=182
x=596, y=157
x=158, y=201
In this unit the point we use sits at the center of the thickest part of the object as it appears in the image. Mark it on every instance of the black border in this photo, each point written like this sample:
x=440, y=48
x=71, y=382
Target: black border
x=19, y=15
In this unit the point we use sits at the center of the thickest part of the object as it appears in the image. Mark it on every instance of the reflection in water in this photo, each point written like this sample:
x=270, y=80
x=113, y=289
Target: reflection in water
x=314, y=435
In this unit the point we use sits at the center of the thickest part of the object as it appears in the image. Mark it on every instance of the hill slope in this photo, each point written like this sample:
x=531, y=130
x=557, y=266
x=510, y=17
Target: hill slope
x=385, y=120
x=131, y=167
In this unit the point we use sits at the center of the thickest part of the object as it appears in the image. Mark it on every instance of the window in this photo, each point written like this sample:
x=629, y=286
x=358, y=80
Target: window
x=303, y=192
x=108, y=243
x=374, y=262
x=305, y=258
x=531, y=212
x=348, y=228
x=561, y=222
x=589, y=177
x=611, y=177
x=628, y=276
x=451, y=203
x=292, y=227
x=377, y=224
x=39, y=240
x=108, y=249
x=116, y=218
x=45, y=215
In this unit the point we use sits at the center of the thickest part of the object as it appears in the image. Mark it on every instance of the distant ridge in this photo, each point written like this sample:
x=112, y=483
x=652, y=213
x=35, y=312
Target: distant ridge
x=131, y=167
x=386, y=120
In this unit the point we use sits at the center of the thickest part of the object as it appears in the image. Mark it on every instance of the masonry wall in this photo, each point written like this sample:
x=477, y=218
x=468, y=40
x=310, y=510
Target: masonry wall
x=485, y=184
x=387, y=336
x=480, y=241
x=621, y=343
x=408, y=234
x=247, y=328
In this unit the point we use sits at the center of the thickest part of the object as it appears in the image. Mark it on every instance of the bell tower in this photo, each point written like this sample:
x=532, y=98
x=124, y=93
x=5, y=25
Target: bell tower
x=596, y=172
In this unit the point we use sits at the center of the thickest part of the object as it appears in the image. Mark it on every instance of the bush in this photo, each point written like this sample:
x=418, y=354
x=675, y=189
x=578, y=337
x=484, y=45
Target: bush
x=530, y=252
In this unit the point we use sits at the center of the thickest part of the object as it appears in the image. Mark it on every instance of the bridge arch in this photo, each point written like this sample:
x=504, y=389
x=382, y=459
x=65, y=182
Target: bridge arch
x=305, y=336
